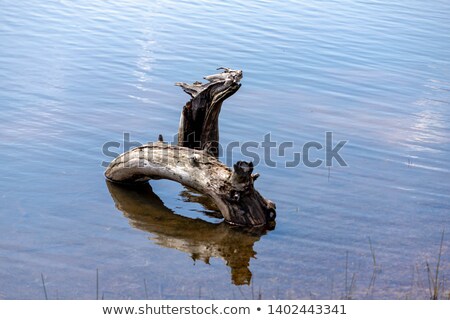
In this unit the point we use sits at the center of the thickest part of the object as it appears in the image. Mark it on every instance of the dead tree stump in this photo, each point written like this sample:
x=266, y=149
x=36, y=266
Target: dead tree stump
x=193, y=162
x=199, y=122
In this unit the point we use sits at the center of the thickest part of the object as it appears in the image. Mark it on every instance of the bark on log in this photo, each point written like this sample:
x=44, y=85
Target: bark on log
x=232, y=191
x=199, y=121
x=193, y=162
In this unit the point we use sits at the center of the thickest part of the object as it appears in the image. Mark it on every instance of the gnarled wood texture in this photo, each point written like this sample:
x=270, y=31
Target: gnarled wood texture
x=199, y=121
x=231, y=190
x=193, y=162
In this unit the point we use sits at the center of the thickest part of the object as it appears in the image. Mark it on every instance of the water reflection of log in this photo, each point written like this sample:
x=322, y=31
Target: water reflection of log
x=201, y=239
x=209, y=207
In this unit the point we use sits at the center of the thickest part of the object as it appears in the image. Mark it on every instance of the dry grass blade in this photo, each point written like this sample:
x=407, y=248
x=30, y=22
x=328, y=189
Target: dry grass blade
x=43, y=285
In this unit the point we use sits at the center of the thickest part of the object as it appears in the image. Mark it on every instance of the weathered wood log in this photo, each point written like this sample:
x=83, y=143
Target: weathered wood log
x=194, y=163
x=232, y=191
x=202, y=240
x=199, y=121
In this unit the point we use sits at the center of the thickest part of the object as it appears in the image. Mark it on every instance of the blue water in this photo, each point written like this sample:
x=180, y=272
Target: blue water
x=77, y=74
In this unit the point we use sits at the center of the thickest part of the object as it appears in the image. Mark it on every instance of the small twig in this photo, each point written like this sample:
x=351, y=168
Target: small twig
x=43, y=285
x=375, y=268
x=253, y=293
x=352, y=285
x=97, y=284
x=436, y=280
x=332, y=288
x=372, y=282
x=420, y=283
x=430, y=280
x=346, y=274
x=373, y=253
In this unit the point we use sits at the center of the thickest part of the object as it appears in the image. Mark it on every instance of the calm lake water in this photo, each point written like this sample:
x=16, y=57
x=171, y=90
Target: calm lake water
x=77, y=74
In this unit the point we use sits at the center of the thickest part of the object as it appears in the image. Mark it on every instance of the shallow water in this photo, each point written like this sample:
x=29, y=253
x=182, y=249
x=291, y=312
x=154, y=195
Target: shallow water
x=75, y=75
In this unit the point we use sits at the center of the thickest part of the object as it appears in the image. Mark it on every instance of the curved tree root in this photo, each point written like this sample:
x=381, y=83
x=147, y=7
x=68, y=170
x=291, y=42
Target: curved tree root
x=231, y=190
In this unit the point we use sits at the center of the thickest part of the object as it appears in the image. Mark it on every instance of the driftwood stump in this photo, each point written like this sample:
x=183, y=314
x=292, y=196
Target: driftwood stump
x=193, y=162
x=199, y=122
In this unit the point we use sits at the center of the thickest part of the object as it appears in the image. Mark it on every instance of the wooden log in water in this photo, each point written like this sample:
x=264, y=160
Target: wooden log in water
x=199, y=121
x=231, y=190
x=193, y=163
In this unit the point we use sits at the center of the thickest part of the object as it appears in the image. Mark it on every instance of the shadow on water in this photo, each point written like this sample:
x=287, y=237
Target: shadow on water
x=201, y=239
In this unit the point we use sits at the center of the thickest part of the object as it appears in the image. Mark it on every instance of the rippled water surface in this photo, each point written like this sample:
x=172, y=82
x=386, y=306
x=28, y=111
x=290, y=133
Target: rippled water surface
x=77, y=74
